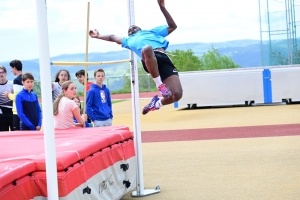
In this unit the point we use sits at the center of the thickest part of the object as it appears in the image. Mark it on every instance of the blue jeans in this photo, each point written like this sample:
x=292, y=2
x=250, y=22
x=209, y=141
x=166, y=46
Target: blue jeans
x=107, y=122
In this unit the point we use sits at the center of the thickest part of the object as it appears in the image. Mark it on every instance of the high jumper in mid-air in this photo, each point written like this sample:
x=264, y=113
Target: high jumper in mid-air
x=150, y=46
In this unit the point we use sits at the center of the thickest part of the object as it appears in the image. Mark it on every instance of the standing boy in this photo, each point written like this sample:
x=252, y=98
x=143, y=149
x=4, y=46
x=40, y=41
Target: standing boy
x=81, y=76
x=98, y=102
x=6, y=114
x=28, y=106
x=16, y=69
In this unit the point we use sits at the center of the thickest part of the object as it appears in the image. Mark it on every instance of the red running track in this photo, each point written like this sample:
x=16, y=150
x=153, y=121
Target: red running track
x=221, y=133
x=141, y=95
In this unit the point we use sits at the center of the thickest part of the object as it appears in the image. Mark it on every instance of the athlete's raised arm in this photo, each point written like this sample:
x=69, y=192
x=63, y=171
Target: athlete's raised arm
x=111, y=38
x=172, y=25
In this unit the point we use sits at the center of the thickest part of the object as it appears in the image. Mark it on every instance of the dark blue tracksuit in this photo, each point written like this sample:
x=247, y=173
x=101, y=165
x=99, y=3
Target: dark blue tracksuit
x=29, y=110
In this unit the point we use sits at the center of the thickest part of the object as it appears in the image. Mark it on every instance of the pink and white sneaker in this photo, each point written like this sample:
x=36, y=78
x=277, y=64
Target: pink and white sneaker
x=165, y=92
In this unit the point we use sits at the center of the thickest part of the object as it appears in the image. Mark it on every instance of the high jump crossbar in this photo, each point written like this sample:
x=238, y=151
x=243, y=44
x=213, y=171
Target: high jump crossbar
x=88, y=63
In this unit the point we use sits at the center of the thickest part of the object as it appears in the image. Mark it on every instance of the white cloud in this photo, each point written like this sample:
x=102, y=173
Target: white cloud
x=16, y=14
x=198, y=21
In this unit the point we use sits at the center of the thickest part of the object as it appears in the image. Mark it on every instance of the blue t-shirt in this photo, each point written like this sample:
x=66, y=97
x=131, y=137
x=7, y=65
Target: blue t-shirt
x=154, y=37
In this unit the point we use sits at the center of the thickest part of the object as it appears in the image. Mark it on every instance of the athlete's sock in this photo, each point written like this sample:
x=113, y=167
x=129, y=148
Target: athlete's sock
x=158, y=104
x=157, y=81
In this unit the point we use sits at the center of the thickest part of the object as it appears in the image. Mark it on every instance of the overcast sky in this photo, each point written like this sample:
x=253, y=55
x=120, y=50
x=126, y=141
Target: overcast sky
x=197, y=20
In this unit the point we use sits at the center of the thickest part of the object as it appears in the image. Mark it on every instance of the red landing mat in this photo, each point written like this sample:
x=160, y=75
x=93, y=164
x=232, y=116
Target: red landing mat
x=85, y=158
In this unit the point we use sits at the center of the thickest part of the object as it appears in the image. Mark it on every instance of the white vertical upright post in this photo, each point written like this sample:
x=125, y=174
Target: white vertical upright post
x=45, y=74
x=135, y=107
x=140, y=191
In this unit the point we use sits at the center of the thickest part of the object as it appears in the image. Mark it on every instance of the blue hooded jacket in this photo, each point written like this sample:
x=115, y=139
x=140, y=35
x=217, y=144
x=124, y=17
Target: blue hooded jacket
x=98, y=103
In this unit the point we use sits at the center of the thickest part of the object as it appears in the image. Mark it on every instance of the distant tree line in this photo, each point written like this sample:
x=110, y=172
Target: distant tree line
x=212, y=60
x=279, y=58
x=184, y=61
x=37, y=88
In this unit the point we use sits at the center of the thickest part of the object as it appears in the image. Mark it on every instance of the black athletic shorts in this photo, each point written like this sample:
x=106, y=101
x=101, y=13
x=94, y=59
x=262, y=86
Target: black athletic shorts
x=165, y=65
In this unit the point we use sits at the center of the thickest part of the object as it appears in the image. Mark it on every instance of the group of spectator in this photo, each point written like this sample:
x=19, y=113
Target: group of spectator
x=9, y=119
x=20, y=108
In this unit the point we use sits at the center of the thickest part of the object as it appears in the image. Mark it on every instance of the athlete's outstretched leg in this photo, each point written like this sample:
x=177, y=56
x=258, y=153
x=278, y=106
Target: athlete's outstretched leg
x=149, y=58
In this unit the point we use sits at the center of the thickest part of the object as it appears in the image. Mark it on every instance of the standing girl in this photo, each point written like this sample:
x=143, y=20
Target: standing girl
x=61, y=76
